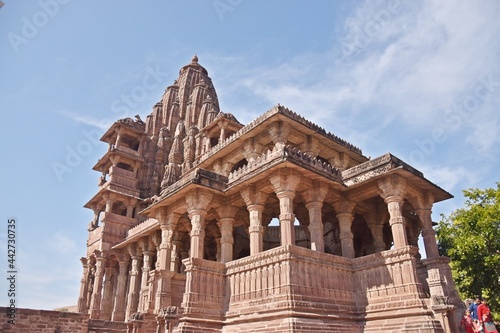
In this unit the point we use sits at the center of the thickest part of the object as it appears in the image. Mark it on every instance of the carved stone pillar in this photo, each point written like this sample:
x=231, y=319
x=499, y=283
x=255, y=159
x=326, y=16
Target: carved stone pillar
x=222, y=125
x=376, y=226
x=175, y=262
x=109, y=199
x=254, y=200
x=134, y=284
x=90, y=283
x=95, y=221
x=256, y=230
x=424, y=212
x=197, y=234
x=168, y=222
x=146, y=267
x=428, y=234
x=284, y=185
x=118, y=136
x=314, y=202
x=227, y=240
x=197, y=203
x=107, y=298
x=287, y=217
x=84, y=287
x=393, y=191
x=316, y=225
x=121, y=290
x=344, y=210
x=95, y=303
x=130, y=207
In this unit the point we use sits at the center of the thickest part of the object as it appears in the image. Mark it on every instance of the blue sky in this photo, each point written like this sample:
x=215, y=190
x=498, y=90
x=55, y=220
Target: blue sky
x=419, y=79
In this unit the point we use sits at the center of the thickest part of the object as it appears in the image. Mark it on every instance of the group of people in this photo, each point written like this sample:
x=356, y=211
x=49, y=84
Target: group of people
x=477, y=318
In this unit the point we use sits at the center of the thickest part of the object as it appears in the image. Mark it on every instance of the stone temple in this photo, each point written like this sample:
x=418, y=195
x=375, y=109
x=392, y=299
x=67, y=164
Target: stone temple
x=204, y=224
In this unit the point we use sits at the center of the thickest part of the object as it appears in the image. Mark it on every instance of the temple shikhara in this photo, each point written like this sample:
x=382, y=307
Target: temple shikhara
x=204, y=224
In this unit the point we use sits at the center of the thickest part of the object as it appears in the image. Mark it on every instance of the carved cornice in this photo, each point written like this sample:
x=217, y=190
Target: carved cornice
x=376, y=167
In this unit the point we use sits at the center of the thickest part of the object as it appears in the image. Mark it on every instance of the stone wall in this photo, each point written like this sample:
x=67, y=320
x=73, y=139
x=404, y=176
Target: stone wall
x=43, y=321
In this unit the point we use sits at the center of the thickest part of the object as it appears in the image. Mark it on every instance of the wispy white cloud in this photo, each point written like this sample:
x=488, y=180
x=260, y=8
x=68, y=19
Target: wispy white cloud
x=449, y=177
x=102, y=124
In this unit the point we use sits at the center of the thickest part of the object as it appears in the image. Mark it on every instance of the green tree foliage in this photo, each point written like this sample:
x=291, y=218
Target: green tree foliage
x=470, y=237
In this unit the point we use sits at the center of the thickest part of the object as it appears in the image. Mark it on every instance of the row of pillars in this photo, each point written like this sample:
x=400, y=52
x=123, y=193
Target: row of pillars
x=392, y=191
x=103, y=291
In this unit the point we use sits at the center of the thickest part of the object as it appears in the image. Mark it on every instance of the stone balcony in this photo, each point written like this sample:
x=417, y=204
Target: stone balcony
x=123, y=149
x=113, y=230
x=118, y=219
x=122, y=181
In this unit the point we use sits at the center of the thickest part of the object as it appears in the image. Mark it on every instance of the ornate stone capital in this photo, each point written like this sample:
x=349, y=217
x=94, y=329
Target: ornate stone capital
x=252, y=196
x=146, y=244
x=283, y=181
x=423, y=201
x=392, y=188
x=344, y=206
x=317, y=192
x=134, y=250
x=227, y=211
x=279, y=132
x=197, y=201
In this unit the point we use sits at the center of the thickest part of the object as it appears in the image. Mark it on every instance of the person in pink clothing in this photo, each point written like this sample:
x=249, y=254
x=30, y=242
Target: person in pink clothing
x=483, y=312
x=467, y=322
x=485, y=319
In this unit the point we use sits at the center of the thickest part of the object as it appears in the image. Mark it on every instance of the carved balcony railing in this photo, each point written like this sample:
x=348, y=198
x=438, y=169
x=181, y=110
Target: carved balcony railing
x=148, y=224
x=284, y=153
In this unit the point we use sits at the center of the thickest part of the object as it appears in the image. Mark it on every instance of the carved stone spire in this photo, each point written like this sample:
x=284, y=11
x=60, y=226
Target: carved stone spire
x=175, y=158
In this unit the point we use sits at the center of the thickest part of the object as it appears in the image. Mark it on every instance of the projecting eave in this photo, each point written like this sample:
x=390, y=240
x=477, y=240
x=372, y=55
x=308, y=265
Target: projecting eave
x=221, y=120
x=122, y=192
x=129, y=125
x=388, y=164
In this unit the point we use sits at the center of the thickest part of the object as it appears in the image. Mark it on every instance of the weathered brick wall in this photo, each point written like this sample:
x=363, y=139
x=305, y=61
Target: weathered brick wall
x=43, y=321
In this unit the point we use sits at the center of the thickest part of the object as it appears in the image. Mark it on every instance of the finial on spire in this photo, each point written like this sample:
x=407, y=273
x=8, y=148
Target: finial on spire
x=195, y=59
